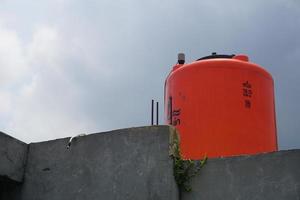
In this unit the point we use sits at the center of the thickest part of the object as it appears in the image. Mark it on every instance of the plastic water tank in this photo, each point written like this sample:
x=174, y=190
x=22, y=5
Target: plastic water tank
x=222, y=105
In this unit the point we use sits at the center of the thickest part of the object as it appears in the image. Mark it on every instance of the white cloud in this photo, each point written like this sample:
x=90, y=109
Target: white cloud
x=45, y=48
x=12, y=60
x=44, y=104
x=5, y=103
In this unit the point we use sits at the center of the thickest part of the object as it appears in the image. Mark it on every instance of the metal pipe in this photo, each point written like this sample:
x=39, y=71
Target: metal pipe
x=157, y=113
x=171, y=111
x=152, y=112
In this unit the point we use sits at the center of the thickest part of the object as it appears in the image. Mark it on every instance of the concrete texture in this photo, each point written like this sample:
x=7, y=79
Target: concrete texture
x=135, y=164
x=122, y=164
x=10, y=190
x=271, y=176
x=12, y=158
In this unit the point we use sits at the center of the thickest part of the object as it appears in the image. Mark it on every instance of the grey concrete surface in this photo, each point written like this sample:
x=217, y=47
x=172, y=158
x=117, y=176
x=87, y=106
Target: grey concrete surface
x=10, y=190
x=122, y=164
x=12, y=158
x=272, y=176
x=133, y=164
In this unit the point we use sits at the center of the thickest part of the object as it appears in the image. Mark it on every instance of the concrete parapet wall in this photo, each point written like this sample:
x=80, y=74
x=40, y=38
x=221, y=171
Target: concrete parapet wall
x=13, y=155
x=270, y=176
x=134, y=164
x=122, y=164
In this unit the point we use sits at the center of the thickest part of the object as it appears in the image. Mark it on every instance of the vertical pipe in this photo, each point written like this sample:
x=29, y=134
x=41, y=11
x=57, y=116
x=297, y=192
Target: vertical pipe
x=157, y=113
x=171, y=111
x=152, y=111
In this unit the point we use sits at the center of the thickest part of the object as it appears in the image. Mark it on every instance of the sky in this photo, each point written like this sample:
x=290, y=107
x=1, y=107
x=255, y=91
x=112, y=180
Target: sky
x=83, y=66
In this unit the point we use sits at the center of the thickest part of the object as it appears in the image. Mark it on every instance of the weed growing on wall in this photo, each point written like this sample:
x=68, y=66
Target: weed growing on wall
x=184, y=170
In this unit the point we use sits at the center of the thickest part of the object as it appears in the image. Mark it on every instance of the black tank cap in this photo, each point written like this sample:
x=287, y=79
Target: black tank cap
x=215, y=55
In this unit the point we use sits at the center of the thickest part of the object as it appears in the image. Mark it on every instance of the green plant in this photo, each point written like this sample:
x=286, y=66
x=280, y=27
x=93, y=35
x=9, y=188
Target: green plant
x=184, y=170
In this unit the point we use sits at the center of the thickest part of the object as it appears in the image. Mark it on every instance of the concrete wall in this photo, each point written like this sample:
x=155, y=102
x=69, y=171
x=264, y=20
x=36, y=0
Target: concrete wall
x=271, y=176
x=10, y=190
x=13, y=155
x=135, y=164
x=12, y=158
x=123, y=164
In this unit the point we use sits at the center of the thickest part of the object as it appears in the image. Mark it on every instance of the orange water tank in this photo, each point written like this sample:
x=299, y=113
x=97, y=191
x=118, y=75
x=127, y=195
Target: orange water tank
x=222, y=105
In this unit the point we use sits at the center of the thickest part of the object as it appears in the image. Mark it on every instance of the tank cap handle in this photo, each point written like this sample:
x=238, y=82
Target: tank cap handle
x=241, y=57
x=181, y=58
x=215, y=55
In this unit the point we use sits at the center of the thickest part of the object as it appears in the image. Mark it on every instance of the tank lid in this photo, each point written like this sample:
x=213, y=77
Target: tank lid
x=215, y=55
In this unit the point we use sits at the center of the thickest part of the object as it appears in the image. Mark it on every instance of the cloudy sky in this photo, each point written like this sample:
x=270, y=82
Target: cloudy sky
x=84, y=66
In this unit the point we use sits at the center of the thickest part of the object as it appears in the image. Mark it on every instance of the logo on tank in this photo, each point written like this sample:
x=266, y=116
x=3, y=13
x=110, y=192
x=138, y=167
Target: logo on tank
x=247, y=93
x=173, y=114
